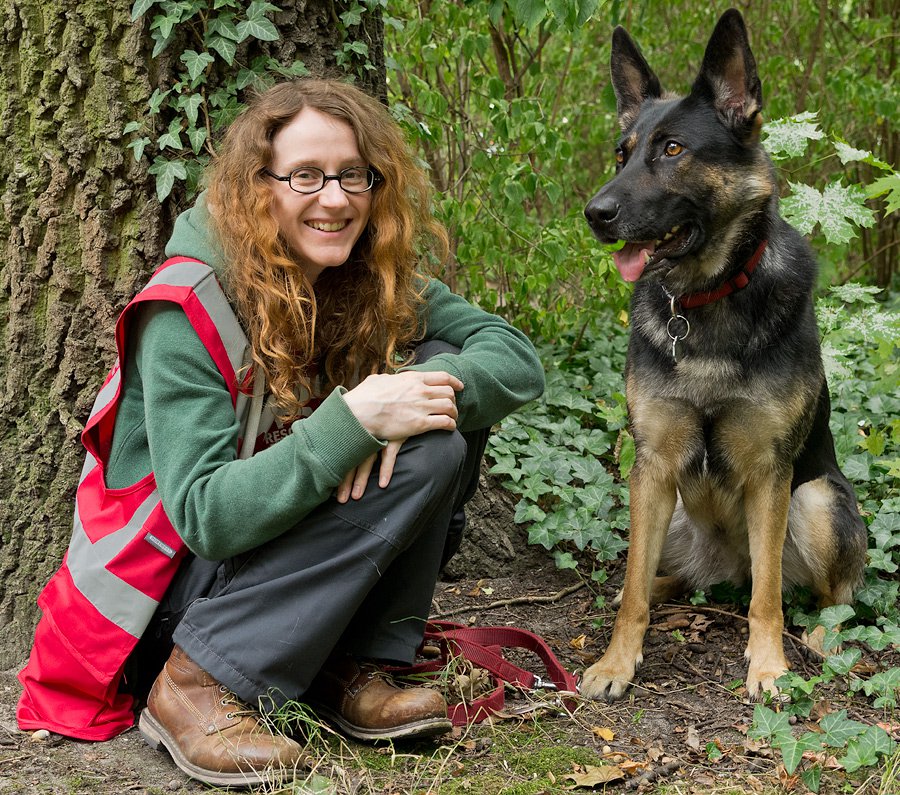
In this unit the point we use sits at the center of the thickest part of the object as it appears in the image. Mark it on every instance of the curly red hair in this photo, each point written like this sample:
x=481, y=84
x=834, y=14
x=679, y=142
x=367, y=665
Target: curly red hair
x=358, y=320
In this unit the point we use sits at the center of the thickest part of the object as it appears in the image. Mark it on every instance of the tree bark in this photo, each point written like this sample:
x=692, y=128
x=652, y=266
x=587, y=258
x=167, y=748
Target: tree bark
x=83, y=231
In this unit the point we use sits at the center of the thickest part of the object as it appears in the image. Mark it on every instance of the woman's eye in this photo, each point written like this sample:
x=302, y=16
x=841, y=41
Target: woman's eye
x=673, y=148
x=353, y=175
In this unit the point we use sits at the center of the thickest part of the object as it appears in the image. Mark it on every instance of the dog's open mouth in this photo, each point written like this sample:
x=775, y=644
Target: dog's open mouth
x=636, y=257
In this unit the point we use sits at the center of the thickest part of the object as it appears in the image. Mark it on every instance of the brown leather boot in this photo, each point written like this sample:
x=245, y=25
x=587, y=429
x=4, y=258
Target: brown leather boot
x=363, y=701
x=211, y=735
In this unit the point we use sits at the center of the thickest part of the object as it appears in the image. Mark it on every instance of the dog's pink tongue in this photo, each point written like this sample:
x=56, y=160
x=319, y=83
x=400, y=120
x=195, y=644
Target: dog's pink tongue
x=631, y=259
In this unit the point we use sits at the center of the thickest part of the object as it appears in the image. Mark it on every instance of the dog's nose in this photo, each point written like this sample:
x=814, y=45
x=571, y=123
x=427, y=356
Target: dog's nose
x=601, y=210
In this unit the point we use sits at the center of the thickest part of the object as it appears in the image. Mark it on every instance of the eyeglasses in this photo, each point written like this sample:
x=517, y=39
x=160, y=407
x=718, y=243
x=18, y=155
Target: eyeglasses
x=308, y=179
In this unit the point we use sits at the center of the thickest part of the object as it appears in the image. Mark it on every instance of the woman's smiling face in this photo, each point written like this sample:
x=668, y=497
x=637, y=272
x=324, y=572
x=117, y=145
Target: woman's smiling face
x=321, y=228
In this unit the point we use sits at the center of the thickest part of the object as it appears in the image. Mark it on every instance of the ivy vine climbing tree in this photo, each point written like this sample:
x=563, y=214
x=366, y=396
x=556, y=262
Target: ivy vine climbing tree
x=85, y=212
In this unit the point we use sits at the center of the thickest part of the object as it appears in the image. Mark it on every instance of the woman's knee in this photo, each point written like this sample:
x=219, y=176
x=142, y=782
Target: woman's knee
x=435, y=460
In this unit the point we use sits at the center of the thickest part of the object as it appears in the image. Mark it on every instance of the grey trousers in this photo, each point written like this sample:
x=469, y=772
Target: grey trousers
x=356, y=577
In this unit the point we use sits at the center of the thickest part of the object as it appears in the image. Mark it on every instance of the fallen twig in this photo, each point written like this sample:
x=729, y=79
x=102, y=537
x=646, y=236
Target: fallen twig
x=515, y=600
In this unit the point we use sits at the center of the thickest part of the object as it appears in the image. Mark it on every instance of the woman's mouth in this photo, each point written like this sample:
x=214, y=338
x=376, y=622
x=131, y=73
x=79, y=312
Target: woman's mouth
x=332, y=226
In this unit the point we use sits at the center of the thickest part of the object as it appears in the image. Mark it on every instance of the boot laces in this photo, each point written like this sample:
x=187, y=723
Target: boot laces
x=230, y=698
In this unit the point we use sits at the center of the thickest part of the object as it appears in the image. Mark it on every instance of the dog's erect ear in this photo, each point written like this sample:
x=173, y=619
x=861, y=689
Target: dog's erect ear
x=728, y=77
x=633, y=80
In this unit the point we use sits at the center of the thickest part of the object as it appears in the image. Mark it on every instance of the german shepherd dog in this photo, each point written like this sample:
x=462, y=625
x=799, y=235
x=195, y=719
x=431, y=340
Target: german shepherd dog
x=735, y=475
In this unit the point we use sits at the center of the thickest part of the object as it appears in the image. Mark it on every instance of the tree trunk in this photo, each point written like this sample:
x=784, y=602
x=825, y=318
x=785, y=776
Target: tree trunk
x=83, y=231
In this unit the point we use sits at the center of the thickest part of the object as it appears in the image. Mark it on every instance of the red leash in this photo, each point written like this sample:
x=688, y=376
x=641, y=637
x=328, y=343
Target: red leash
x=483, y=647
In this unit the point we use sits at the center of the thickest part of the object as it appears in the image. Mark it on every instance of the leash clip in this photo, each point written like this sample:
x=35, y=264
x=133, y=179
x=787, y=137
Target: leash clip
x=543, y=684
x=679, y=318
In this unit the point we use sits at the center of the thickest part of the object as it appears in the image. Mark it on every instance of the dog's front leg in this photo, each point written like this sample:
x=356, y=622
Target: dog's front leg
x=766, y=502
x=652, y=503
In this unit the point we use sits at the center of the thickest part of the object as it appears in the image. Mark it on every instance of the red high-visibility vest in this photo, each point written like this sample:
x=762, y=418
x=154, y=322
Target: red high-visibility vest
x=124, y=552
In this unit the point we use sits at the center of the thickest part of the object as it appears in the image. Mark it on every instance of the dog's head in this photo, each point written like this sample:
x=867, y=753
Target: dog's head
x=691, y=174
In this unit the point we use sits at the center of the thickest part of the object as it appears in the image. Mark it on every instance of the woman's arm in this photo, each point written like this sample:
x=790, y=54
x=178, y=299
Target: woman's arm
x=220, y=505
x=497, y=363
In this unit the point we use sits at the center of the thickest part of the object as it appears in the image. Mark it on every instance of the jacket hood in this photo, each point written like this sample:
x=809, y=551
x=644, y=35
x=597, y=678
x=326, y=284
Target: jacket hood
x=195, y=237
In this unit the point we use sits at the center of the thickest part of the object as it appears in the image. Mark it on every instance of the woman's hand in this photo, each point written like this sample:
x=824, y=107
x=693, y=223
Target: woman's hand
x=355, y=481
x=401, y=405
x=395, y=407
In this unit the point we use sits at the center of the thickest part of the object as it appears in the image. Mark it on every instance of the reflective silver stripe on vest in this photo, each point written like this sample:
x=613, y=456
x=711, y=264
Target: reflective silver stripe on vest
x=89, y=463
x=203, y=280
x=108, y=392
x=123, y=604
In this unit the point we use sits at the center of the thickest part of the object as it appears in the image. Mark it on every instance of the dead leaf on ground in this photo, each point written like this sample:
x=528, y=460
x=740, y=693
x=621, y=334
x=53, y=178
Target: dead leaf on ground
x=701, y=623
x=578, y=643
x=890, y=728
x=632, y=767
x=603, y=733
x=590, y=776
x=787, y=781
x=693, y=738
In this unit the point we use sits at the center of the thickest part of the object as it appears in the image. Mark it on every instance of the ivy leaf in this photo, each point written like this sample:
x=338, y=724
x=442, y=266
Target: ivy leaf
x=790, y=137
x=140, y=8
x=196, y=63
x=197, y=136
x=564, y=560
x=885, y=530
x=137, y=147
x=225, y=47
x=353, y=16
x=792, y=750
x=837, y=210
x=164, y=24
x=839, y=730
x=171, y=139
x=831, y=617
x=540, y=534
x=132, y=126
x=883, y=682
x=162, y=42
x=843, y=662
x=223, y=26
x=769, y=725
x=166, y=172
x=856, y=467
x=812, y=777
x=259, y=28
x=865, y=750
x=190, y=104
x=607, y=545
x=156, y=100
x=589, y=470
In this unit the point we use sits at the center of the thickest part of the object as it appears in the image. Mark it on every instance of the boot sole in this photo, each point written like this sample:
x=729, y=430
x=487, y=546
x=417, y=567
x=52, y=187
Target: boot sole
x=159, y=739
x=427, y=727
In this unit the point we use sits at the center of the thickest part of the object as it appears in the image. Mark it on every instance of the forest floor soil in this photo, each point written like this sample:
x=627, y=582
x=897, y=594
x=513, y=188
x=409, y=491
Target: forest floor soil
x=681, y=729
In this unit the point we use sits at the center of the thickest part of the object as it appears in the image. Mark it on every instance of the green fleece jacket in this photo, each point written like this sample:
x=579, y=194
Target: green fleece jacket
x=176, y=417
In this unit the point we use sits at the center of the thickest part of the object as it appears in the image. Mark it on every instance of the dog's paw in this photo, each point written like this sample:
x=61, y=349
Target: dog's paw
x=609, y=678
x=762, y=673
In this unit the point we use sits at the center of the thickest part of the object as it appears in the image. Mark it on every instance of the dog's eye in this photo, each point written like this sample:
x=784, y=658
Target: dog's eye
x=620, y=157
x=673, y=148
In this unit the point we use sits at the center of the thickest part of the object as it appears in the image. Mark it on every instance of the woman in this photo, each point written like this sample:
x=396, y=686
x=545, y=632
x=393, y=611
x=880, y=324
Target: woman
x=278, y=462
